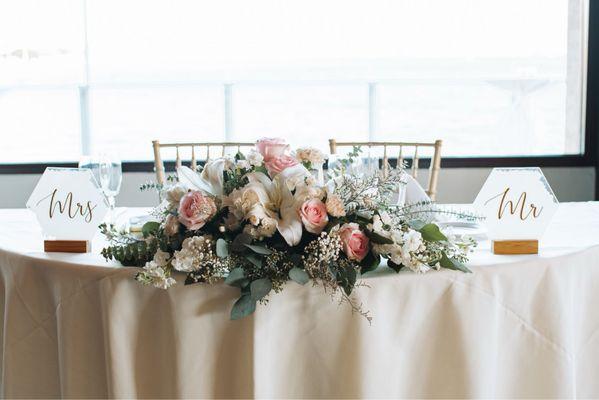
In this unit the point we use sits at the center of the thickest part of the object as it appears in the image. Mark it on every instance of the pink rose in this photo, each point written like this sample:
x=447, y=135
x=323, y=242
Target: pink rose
x=354, y=241
x=195, y=209
x=279, y=163
x=271, y=148
x=314, y=215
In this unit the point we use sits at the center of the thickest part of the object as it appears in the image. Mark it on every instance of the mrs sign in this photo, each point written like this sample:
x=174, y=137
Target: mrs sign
x=518, y=204
x=69, y=207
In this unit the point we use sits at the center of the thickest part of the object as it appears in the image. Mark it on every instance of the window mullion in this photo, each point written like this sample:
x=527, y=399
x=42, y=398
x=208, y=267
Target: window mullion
x=228, y=92
x=372, y=111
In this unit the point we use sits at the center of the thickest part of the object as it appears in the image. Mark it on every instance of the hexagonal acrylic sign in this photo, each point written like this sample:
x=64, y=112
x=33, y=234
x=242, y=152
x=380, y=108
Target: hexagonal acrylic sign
x=517, y=203
x=68, y=204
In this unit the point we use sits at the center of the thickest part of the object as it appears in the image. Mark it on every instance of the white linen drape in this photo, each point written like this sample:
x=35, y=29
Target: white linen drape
x=522, y=326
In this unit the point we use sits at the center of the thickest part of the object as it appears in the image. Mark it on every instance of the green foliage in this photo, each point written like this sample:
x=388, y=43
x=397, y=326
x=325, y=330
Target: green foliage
x=133, y=254
x=222, y=248
x=452, y=263
x=259, y=249
x=151, y=186
x=240, y=241
x=150, y=229
x=428, y=211
x=260, y=288
x=243, y=307
x=298, y=275
x=376, y=238
x=432, y=233
x=261, y=168
x=370, y=262
x=254, y=259
x=234, y=179
x=345, y=163
x=236, y=277
x=346, y=277
x=395, y=267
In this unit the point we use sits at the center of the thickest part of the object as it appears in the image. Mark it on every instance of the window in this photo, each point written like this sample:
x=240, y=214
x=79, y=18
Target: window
x=492, y=78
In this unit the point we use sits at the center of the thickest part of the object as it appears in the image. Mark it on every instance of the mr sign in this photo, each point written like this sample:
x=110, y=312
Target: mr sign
x=518, y=204
x=69, y=207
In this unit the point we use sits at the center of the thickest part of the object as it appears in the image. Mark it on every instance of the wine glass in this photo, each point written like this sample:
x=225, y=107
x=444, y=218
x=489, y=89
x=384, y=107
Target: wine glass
x=107, y=172
x=111, y=177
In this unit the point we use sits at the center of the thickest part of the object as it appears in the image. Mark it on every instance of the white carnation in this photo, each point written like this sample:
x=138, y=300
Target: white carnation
x=174, y=195
x=193, y=251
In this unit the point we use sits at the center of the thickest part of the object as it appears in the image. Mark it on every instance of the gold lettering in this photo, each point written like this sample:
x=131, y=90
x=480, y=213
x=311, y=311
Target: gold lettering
x=519, y=208
x=72, y=211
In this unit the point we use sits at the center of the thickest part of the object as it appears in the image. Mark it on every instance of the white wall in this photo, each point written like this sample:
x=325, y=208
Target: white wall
x=459, y=185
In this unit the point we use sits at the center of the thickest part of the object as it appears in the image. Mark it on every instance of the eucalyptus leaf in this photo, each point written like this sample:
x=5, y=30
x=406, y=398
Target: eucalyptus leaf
x=222, y=248
x=260, y=288
x=243, y=307
x=150, y=228
x=299, y=275
x=235, y=277
x=238, y=244
x=254, y=259
x=259, y=249
x=432, y=233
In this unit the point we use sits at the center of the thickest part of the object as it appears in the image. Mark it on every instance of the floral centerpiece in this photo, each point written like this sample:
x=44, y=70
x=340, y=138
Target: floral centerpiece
x=262, y=219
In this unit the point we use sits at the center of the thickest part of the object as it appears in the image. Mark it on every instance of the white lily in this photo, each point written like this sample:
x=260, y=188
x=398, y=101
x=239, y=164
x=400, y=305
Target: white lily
x=290, y=223
x=272, y=196
x=209, y=181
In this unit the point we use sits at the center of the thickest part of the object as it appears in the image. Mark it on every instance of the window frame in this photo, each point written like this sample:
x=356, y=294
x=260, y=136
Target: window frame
x=590, y=157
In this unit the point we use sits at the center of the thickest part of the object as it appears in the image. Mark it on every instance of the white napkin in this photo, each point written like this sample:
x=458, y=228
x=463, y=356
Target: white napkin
x=409, y=193
x=414, y=192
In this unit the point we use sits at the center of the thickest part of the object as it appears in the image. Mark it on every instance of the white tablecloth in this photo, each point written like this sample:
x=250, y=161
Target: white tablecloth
x=519, y=326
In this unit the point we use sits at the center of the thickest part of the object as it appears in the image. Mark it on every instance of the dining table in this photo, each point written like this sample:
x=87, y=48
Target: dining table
x=76, y=325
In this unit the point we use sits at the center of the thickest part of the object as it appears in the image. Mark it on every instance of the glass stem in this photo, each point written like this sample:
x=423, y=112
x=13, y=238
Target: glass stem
x=111, y=205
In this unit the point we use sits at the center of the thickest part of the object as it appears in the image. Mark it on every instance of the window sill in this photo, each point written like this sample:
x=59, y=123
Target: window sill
x=448, y=162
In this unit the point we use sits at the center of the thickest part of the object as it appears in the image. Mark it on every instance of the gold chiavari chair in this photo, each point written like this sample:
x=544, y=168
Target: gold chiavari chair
x=434, y=168
x=159, y=165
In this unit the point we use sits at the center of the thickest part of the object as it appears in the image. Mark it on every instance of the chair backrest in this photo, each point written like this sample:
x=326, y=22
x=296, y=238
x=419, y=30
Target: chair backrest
x=434, y=167
x=159, y=165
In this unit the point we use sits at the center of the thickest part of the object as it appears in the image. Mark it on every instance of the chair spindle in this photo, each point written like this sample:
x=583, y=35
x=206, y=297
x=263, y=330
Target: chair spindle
x=194, y=163
x=415, y=163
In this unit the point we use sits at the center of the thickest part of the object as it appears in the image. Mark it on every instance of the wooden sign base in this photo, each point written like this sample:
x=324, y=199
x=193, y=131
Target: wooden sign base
x=515, y=246
x=67, y=246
